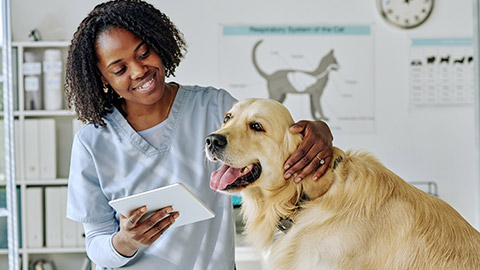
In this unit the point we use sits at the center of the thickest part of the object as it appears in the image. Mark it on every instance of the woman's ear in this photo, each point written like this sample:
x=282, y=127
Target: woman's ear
x=105, y=84
x=104, y=81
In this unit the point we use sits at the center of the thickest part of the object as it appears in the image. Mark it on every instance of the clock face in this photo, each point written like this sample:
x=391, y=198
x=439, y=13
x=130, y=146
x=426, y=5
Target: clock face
x=405, y=13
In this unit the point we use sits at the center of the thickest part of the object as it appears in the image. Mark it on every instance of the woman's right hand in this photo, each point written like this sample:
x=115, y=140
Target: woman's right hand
x=134, y=235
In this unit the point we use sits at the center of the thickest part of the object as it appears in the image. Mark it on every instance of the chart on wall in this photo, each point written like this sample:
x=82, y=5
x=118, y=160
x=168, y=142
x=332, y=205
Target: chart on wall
x=317, y=71
x=441, y=72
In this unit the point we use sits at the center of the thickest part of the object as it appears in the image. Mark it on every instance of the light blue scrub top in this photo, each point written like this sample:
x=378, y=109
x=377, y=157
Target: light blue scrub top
x=115, y=161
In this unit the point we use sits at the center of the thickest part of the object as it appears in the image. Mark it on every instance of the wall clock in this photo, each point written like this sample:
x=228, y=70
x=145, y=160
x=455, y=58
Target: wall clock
x=405, y=14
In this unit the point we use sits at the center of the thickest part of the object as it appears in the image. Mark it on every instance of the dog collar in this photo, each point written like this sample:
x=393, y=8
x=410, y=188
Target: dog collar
x=337, y=160
x=285, y=223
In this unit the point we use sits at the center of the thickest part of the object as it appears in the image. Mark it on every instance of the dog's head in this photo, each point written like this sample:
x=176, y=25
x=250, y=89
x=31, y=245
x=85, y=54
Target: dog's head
x=253, y=144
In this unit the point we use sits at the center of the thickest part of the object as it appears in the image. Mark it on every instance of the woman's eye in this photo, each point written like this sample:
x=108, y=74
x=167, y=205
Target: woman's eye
x=145, y=54
x=120, y=71
x=256, y=127
x=226, y=118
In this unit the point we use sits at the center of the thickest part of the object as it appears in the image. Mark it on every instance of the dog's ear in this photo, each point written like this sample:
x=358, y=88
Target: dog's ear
x=291, y=141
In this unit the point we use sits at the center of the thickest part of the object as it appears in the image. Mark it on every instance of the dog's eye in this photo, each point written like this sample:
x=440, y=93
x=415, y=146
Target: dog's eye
x=256, y=127
x=226, y=118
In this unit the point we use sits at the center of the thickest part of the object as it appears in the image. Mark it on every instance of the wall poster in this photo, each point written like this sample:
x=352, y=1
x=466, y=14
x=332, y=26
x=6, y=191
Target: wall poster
x=441, y=72
x=318, y=71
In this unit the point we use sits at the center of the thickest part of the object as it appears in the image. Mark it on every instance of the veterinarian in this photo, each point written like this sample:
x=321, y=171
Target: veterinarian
x=143, y=133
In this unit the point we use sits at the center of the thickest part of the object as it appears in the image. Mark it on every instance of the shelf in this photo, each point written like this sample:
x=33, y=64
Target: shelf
x=42, y=182
x=56, y=250
x=40, y=44
x=47, y=113
x=4, y=251
x=42, y=113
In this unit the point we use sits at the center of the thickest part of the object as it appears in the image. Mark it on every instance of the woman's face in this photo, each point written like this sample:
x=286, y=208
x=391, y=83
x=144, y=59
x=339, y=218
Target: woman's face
x=130, y=66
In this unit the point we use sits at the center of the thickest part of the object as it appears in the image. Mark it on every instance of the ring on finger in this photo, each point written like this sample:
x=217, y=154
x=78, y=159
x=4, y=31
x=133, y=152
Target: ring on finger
x=322, y=161
x=130, y=220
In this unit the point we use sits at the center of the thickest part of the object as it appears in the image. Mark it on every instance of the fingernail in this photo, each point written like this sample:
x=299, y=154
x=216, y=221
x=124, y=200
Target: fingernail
x=314, y=178
x=169, y=210
x=298, y=179
x=175, y=215
x=143, y=209
x=286, y=166
x=287, y=175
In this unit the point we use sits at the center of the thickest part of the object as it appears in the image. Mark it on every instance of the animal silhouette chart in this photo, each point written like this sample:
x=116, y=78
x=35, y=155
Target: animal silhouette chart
x=318, y=71
x=441, y=72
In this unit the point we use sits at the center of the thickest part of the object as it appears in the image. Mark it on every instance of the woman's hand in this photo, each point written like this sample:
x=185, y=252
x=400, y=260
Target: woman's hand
x=134, y=235
x=314, y=152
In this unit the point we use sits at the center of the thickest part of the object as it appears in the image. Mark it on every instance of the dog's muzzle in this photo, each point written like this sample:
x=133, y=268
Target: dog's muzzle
x=226, y=177
x=215, y=142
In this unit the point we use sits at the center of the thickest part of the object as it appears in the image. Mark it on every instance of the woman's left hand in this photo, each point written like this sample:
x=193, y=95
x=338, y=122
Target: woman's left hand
x=314, y=152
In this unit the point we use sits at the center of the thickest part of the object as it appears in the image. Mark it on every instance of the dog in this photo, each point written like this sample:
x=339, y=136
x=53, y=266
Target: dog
x=358, y=215
x=279, y=83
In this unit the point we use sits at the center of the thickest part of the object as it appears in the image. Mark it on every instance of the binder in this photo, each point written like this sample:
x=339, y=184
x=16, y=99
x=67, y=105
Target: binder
x=34, y=211
x=53, y=221
x=69, y=227
x=31, y=151
x=3, y=220
x=2, y=152
x=47, y=149
x=17, y=143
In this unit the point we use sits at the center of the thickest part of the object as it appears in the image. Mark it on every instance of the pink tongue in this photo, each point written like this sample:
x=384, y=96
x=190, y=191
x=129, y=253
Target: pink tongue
x=223, y=177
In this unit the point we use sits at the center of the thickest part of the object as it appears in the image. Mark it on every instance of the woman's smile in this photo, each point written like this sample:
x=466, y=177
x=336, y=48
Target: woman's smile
x=146, y=85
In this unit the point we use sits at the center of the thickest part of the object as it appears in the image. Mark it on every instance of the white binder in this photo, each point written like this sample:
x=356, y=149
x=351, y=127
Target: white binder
x=34, y=215
x=31, y=152
x=47, y=149
x=53, y=221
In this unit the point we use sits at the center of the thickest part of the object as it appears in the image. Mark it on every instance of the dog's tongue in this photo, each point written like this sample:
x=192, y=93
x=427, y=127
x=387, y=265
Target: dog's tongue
x=223, y=177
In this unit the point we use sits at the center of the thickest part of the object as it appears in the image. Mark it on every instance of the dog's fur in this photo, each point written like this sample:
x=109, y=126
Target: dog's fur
x=360, y=214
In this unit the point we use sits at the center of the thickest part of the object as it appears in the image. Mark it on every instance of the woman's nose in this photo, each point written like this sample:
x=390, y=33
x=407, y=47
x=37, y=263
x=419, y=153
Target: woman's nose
x=138, y=70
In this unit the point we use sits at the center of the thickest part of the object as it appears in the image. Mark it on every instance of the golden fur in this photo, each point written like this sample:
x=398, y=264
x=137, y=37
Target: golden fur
x=360, y=216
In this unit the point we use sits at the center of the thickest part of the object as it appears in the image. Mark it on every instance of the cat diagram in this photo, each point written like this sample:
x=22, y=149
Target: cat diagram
x=295, y=81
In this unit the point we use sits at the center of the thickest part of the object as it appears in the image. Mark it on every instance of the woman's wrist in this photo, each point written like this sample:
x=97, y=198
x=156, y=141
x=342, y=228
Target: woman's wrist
x=123, y=247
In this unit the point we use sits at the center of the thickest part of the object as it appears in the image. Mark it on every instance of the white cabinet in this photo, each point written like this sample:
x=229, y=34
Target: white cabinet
x=43, y=139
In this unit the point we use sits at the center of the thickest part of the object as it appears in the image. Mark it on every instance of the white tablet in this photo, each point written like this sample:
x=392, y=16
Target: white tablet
x=182, y=200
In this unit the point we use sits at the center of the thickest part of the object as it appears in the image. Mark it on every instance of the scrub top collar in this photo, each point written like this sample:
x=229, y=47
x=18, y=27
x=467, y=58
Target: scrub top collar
x=126, y=132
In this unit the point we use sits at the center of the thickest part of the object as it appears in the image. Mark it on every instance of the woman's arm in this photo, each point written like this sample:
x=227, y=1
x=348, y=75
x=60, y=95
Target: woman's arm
x=99, y=245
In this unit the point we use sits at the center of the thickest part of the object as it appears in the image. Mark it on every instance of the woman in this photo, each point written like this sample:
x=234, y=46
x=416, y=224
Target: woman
x=144, y=133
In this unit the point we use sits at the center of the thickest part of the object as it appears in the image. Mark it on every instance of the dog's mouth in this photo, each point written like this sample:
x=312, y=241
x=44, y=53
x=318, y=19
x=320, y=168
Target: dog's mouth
x=230, y=178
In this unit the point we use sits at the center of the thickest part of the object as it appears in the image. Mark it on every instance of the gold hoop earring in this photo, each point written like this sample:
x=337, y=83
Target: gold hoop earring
x=105, y=88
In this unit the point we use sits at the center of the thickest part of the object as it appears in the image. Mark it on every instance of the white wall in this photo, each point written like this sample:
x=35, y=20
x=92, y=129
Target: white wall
x=418, y=144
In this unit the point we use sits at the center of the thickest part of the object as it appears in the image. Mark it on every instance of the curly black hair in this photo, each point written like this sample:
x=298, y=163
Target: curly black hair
x=84, y=88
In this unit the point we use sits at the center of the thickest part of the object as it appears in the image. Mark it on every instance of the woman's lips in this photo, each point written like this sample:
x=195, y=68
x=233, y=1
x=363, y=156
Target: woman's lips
x=146, y=86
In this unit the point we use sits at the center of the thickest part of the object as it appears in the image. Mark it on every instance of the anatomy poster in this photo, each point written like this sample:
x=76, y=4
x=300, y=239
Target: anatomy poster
x=441, y=72
x=318, y=71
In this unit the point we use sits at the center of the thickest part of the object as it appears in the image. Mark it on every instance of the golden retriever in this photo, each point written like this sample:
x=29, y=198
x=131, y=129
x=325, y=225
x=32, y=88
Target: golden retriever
x=358, y=215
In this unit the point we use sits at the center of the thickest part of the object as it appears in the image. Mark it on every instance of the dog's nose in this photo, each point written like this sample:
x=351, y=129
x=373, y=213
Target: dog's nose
x=216, y=141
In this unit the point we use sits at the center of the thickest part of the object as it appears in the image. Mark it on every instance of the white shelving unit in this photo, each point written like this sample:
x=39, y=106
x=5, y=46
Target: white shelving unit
x=63, y=257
